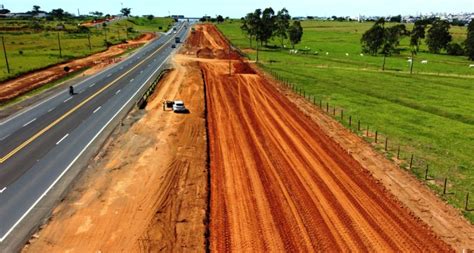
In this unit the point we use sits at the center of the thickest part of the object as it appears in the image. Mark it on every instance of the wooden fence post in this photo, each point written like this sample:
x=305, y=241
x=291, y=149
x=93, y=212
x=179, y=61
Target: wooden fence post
x=376, y=135
x=386, y=143
x=426, y=171
x=445, y=185
x=327, y=107
x=358, y=125
x=334, y=111
x=466, y=206
x=398, y=152
x=367, y=131
x=314, y=100
x=350, y=121
x=411, y=161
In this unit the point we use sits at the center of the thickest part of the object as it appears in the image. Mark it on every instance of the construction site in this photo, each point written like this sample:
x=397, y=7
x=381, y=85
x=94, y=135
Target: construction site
x=251, y=167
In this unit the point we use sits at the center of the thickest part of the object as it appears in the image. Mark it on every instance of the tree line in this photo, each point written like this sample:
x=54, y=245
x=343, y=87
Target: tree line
x=380, y=39
x=265, y=25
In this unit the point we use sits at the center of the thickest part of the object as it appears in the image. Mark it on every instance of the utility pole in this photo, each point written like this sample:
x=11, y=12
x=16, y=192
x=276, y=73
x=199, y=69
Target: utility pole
x=5, y=53
x=257, y=51
x=412, y=61
x=230, y=62
x=59, y=45
x=89, y=39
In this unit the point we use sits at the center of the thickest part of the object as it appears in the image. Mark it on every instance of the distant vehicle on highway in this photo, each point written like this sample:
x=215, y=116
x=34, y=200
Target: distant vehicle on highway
x=177, y=39
x=173, y=46
x=178, y=106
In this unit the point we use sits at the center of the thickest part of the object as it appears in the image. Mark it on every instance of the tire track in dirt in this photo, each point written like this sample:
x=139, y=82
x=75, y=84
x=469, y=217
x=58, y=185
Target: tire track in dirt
x=279, y=183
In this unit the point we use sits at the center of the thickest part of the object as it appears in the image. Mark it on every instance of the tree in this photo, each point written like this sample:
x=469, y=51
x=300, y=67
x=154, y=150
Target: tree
x=251, y=25
x=416, y=35
x=392, y=36
x=438, y=36
x=373, y=39
x=220, y=19
x=4, y=11
x=391, y=40
x=469, y=43
x=126, y=11
x=267, y=25
x=150, y=17
x=57, y=13
x=296, y=33
x=454, y=49
x=396, y=19
x=282, y=24
x=96, y=14
x=36, y=10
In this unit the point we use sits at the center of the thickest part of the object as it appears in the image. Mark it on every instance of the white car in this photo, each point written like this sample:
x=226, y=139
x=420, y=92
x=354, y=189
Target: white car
x=178, y=106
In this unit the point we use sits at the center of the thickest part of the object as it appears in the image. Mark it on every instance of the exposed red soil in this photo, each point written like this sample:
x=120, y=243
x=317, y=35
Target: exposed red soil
x=278, y=182
x=15, y=87
x=147, y=190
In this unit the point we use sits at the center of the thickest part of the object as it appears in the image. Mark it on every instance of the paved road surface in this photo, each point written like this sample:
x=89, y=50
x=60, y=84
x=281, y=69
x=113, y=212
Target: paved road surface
x=39, y=145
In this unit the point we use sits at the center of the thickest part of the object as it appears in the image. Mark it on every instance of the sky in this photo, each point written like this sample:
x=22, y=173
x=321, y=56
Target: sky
x=238, y=8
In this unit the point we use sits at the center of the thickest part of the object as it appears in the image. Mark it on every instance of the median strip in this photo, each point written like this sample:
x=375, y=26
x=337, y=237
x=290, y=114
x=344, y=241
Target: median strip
x=2, y=190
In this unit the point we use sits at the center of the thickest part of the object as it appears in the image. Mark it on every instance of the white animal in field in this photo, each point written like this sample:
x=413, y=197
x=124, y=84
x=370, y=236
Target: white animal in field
x=347, y=54
x=471, y=65
x=327, y=53
x=361, y=54
x=410, y=60
x=424, y=62
x=293, y=51
x=284, y=46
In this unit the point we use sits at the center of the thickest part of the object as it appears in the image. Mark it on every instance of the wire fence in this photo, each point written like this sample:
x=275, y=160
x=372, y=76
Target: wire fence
x=371, y=134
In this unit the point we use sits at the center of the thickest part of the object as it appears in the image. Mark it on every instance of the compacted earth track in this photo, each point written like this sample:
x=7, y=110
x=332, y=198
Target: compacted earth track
x=279, y=183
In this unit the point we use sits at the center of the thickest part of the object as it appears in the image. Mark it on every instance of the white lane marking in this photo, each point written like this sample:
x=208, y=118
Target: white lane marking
x=2, y=190
x=98, y=108
x=132, y=80
x=67, y=99
x=62, y=139
x=109, y=75
x=4, y=137
x=50, y=110
x=117, y=92
x=92, y=85
x=77, y=157
x=141, y=72
x=29, y=122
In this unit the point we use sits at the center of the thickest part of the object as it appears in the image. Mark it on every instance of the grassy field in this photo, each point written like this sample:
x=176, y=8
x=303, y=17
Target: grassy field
x=28, y=50
x=430, y=113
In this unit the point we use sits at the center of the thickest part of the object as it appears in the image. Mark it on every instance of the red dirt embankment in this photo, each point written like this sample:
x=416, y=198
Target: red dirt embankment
x=278, y=182
x=27, y=82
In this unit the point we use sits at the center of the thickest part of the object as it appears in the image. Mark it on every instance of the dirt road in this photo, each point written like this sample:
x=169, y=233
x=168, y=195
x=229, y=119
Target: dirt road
x=279, y=183
x=27, y=82
x=148, y=190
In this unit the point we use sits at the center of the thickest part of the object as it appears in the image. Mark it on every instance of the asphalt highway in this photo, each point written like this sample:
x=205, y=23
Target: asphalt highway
x=40, y=144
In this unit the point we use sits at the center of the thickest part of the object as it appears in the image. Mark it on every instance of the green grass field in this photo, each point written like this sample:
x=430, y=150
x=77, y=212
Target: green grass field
x=430, y=113
x=28, y=50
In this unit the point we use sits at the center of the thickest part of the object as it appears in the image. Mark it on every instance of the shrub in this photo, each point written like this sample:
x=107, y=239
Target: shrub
x=454, y=49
